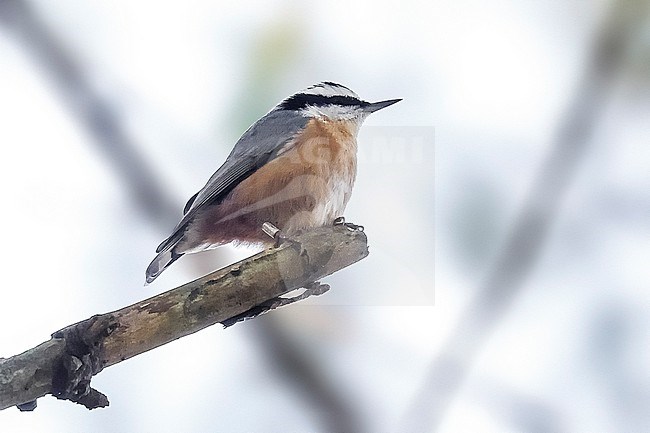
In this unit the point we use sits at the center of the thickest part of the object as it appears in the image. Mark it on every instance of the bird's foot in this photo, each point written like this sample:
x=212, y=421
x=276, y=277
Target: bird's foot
x=340, y=221
x=276, y=234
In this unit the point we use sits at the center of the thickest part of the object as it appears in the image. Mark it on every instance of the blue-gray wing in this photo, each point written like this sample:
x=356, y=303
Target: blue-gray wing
x=259, y=144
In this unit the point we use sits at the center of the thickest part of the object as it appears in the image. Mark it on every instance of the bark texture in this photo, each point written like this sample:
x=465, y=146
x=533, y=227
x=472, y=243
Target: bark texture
x=64, y=365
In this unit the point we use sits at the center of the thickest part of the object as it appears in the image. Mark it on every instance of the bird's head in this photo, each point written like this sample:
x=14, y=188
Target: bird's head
x=332, y=101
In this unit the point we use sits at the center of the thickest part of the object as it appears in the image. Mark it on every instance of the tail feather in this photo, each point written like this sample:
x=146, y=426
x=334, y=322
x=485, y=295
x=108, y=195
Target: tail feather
x=161, y=262
x=170, y=241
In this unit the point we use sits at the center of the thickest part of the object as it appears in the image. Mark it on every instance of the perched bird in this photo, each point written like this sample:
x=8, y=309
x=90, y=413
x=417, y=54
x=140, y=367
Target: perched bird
x=294, y=168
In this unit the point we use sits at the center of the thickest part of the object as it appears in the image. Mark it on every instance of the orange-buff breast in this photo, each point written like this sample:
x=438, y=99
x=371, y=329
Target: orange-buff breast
x=307, y=185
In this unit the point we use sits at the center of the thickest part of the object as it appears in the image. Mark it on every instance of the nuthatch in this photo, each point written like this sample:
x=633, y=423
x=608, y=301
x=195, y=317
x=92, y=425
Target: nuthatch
x=294, y=168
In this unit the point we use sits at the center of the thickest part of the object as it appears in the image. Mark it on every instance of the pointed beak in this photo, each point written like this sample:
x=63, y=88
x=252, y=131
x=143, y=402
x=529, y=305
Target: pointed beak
x=376, y=106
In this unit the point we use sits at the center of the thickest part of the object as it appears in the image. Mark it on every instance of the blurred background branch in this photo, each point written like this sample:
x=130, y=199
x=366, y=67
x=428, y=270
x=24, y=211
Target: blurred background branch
x=96, y=115
x=623, y=25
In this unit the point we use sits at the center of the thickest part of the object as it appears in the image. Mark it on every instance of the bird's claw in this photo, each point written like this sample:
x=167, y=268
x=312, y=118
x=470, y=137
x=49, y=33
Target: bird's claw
x=280, y=239
x=340, y=221
x=274, y=233
x=277, y=235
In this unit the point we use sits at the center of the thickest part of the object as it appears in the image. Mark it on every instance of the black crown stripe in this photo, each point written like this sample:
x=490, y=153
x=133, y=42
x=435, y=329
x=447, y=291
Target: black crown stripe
x=303, y=100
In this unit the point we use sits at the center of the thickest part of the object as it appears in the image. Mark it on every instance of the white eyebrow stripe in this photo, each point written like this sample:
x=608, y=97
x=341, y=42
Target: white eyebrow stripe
x=329, y=89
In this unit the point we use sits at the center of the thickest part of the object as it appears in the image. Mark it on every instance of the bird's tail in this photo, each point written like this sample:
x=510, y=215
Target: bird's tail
x=161, y=262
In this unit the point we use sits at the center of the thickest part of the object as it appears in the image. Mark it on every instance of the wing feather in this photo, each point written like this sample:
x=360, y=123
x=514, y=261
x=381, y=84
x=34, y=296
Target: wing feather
x=188, y=205
x=257, y=146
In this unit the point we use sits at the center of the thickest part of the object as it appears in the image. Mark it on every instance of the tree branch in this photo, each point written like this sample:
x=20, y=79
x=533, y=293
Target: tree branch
x=64, y=365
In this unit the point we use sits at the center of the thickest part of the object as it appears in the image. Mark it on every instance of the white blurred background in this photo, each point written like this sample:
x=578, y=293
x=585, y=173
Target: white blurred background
x=528, y=214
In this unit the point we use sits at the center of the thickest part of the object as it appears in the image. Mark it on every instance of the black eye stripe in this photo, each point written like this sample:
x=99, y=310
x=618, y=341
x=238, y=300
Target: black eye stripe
x=303, y=100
